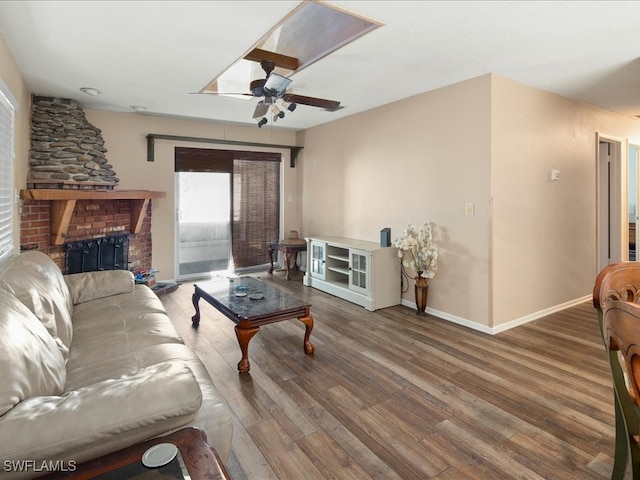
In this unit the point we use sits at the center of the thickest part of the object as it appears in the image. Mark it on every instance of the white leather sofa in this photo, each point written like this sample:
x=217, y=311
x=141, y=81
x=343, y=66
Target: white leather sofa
x=90, y=363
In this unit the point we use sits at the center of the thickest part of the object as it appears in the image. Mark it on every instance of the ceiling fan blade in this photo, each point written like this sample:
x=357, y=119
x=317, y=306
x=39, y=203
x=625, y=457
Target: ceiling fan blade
x=235, y=94
x=279, y=60
x=330, y=105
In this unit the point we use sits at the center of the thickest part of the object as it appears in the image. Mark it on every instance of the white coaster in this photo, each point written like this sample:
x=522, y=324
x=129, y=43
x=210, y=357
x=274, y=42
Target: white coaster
x=159, y=455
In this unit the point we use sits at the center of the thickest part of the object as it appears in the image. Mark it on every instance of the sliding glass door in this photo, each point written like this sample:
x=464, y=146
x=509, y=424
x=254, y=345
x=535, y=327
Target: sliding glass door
x=228, y=210
x=203, y=223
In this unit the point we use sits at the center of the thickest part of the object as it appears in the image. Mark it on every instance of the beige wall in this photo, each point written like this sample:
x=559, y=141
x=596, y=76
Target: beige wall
x=125, y=139
x=531, y=246
x=544, y=232
x=417, y=160
x=12, y=79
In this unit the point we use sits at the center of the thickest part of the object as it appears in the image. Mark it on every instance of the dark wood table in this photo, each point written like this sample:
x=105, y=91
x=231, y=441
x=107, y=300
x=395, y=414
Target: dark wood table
x=200, y=460
x=288, y=251
x=249, y=314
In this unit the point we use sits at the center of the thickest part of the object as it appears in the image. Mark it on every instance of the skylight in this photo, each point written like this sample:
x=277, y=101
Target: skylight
x=309, y=33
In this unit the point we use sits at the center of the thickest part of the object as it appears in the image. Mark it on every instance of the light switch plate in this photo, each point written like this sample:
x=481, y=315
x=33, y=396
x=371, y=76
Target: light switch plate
x=469, y=210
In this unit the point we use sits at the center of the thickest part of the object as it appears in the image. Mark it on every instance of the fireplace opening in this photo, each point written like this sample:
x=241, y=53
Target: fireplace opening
x=106, y=253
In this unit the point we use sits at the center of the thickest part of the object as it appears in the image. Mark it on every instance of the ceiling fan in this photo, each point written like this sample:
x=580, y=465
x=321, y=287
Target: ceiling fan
x=274, y=87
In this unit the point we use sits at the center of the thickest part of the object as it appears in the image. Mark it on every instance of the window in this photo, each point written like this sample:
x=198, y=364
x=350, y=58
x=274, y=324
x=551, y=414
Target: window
x=7, y=131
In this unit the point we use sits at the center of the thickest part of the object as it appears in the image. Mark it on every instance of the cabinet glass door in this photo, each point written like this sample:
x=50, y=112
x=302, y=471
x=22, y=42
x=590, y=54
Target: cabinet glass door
x=318, y=251
x=359, y=271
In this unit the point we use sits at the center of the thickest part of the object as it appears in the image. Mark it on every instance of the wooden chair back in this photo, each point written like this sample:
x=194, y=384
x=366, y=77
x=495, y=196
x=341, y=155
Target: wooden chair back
x=621, y=332
x=618, y=281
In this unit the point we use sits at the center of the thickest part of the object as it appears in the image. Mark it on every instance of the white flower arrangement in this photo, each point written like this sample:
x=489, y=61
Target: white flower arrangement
x=417, y=250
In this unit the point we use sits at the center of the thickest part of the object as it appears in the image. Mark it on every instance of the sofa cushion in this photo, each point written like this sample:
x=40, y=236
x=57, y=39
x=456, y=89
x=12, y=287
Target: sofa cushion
x=106, y=415
x=88, y=286
x=110, y=327
x=31, y=363
x=38, y=283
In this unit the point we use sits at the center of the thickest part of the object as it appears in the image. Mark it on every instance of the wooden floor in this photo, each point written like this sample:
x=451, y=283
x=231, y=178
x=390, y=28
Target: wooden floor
x=390, y=395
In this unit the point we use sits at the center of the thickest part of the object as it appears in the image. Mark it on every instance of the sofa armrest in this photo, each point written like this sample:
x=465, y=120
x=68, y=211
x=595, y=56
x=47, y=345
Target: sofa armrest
x=48, y=427
x=92, y=285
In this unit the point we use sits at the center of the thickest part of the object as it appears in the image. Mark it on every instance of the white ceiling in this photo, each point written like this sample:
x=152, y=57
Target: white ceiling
x=154, y=54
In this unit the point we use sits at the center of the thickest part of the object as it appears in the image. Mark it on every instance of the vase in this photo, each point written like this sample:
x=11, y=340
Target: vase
x=421, y=291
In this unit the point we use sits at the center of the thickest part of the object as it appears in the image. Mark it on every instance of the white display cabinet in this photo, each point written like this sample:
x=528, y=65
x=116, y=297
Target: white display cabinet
x=358, y=271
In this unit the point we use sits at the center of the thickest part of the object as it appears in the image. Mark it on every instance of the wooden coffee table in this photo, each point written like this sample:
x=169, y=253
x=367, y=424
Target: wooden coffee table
x=201, y=460
x=250, y=314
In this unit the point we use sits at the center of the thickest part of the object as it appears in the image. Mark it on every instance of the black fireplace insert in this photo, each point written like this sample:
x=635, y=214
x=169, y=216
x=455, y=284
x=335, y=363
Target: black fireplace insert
x=106, y=253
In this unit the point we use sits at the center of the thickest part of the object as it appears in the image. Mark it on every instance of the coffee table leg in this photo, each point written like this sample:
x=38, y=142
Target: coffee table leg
x=308, y=323
x=195, y=320
x=244, y=336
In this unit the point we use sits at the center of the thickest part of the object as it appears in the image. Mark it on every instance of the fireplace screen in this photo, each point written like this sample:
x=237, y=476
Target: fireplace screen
x=106, y=253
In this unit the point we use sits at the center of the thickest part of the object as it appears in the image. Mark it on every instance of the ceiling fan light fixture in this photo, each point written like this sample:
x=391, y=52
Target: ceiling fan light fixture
x=276, y=84
x=261, y=110
x=277, y=113
x=289, y=106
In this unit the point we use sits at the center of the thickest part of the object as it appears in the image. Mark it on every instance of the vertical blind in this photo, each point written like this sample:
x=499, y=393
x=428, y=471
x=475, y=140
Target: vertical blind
x=255, y=216
x=7, y=121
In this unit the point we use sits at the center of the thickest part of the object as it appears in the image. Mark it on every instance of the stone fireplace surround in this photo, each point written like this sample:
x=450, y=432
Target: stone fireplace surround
x=70, y=193
x=66, y=150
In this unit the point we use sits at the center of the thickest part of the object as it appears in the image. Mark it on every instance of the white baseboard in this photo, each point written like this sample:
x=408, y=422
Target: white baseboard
x=503, y=327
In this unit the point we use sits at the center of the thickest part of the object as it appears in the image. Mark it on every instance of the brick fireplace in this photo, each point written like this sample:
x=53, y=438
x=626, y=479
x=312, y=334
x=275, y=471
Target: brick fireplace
x=70, y=193
x=90, y=219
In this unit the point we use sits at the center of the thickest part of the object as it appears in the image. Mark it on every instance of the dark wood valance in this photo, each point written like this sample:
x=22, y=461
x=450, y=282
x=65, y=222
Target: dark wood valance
x=152, y=137
x=214, y=160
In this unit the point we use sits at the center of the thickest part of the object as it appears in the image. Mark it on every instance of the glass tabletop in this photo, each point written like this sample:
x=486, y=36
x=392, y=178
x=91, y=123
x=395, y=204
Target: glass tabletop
x=248, y=297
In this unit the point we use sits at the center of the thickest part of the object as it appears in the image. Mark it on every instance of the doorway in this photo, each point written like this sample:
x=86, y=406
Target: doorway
x=609, y=202
x=203, y=223
x=632, y=200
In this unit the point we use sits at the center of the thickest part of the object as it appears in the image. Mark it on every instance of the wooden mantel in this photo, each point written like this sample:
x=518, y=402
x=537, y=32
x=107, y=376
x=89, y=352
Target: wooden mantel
x=63, y=202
